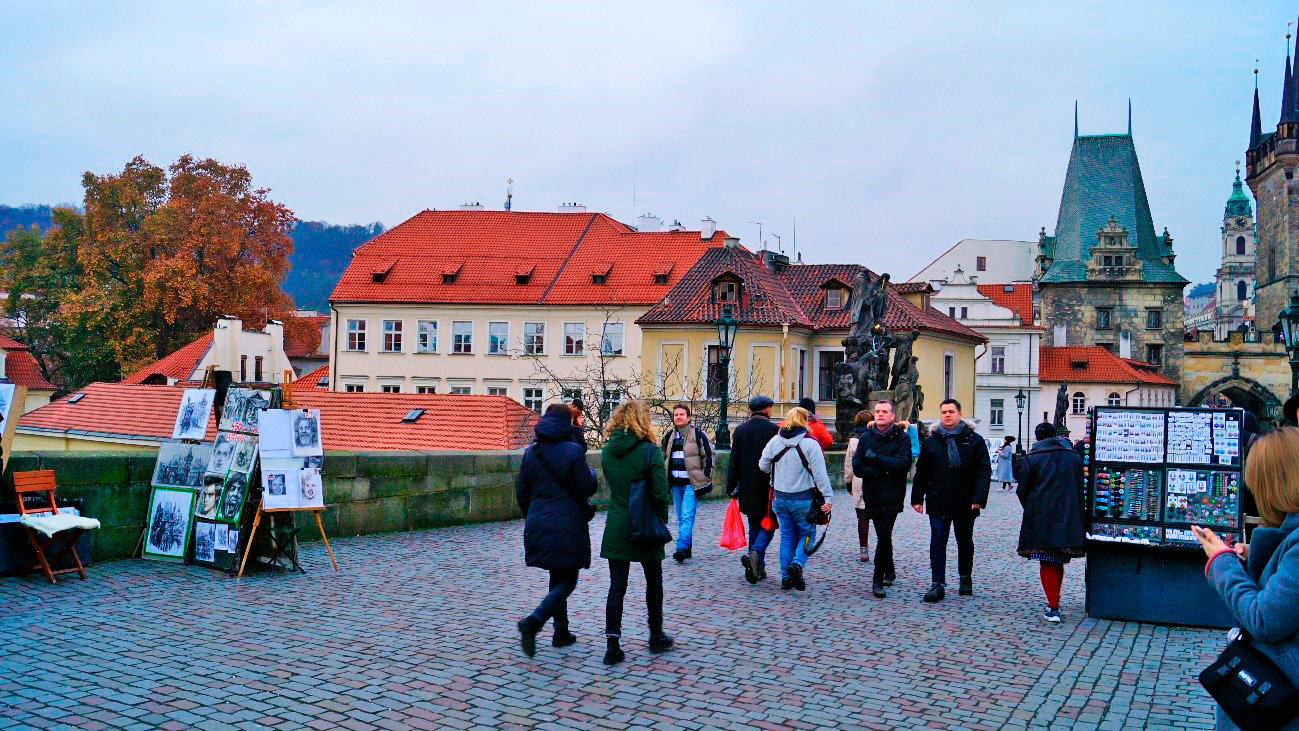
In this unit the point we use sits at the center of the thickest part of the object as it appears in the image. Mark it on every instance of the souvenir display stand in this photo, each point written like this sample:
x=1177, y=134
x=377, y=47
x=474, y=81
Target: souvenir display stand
x=1152, y=474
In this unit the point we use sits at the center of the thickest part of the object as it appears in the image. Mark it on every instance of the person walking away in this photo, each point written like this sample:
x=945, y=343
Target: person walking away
x=859, y=422
x=553, y=484
x=1262, y=593
x=630, y=454
x=797, y=467
x=750, y=485
x=952, y=480
x=1051, y=491
x=690, y=474
x=815, y=427
x=880, y=463
x=579, y=417
x=1006, y=464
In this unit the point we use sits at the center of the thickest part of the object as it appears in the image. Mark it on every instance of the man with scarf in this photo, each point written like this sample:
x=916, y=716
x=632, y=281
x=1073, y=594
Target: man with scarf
x=953, y=474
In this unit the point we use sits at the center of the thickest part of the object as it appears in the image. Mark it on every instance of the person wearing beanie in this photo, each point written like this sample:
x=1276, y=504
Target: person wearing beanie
x=1051, y=491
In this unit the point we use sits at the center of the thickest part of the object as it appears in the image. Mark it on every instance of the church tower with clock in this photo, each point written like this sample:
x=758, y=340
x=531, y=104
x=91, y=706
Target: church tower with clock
x=1235, y=292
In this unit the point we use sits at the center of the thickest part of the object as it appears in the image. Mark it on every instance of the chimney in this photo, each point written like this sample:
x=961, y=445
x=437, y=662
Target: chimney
x=707, y=228
x=573, y=207
x=225, y=344
x=648, y=222
x=472, y=206
x=774, y=261
x=676, y=226
x=731, y=242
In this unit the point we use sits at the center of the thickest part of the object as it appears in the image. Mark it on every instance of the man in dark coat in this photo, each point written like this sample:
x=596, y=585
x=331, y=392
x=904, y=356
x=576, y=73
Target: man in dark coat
x=1051, y=491
x=882, y=460
x=952, y=477
x=554, y=481
x=750, y=485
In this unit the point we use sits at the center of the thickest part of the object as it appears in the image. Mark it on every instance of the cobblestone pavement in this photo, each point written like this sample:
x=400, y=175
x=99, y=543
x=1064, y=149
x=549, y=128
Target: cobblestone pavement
x=418, y=632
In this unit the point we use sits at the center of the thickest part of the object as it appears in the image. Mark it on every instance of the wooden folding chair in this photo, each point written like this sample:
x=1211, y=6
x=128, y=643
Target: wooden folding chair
x=55, y=527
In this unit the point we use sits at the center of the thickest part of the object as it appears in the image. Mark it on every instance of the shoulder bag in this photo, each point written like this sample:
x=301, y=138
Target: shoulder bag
x=583, y=503
x=1251, y=689
x=644, y=526
x=815, y=515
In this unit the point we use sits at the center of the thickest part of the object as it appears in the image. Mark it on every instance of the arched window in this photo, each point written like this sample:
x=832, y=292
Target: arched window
x=1114, y=399
x=1242, y=290
x=1079, y=403
x=1240, y=245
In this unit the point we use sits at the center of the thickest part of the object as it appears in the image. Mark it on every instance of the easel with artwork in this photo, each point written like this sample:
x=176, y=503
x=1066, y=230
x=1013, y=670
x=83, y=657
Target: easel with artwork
x=291, y=454
x=12, y=398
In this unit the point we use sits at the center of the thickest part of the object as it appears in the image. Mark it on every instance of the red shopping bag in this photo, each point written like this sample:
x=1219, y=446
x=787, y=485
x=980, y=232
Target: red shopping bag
x=733, y=528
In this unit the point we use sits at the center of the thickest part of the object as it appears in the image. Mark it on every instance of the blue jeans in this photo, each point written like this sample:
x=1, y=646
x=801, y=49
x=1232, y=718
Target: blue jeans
x=794, y=527
x=683, y=500
x=759, y=539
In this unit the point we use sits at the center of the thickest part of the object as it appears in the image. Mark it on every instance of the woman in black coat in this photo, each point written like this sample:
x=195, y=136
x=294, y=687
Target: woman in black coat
x=554, y=481
x=1051, y=491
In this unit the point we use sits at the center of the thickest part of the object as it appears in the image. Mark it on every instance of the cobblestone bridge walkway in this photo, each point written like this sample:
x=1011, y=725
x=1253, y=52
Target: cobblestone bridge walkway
x=417, y=632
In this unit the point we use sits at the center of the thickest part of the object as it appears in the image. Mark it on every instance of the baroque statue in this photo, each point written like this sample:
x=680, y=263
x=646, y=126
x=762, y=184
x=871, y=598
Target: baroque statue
x=875, y=360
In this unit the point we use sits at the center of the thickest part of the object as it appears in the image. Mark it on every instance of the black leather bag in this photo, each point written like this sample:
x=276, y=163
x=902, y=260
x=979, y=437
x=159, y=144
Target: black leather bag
x=644, y=526
x=1251, y=689
x=583, y=503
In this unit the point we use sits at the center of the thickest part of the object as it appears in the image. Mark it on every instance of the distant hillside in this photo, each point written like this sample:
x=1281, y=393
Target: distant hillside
x=321, y=252
x=12, y=217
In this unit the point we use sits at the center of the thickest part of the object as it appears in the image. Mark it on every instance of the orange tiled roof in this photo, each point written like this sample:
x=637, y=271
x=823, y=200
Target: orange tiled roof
x=21, y=366
x=483, y=254
x=310, y=381
x=1019, y=300
x=179, y=365
x=1094, y=364
x=350, y=421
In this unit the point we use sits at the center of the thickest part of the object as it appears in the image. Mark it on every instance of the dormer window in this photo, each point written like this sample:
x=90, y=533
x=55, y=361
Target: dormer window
x=660, y=279
x=600, y=273
x=727, y=291
x=522, y=279
x=449, y=274
x=834, y=299
x=448, y=278
x=599, y=279
x=661, y=274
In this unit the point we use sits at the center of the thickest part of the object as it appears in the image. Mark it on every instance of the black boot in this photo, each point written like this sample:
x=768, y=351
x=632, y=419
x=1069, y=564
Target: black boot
x=613, y=654
x=796, y=577
x=528, y=627
x=967, y=586
x=679, y=556
x=660, y=642
x=888, y=579
x=935, y=593
x=750, y=563
x=562, y=638
x=877, y=589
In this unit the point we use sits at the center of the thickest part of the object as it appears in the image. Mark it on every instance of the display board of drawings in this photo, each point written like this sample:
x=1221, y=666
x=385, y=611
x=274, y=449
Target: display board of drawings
x=1155, y=472
x=201, y=490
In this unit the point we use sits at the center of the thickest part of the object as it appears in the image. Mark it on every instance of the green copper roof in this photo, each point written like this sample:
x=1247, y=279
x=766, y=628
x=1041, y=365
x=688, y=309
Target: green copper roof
x=1238, y=203
x=1104, y=180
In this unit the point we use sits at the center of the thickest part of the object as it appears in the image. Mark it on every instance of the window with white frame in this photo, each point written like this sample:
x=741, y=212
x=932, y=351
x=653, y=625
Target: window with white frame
x=534, y=338
x=356, y=335
x=392, y=336
x=462, y=390
x=833, y=298
x=574, y=338
x=462, y=337
x=532, y=399
x=611, y=342
x=354, y=387
x=426, y=336
x=997, y=412
x=611, y=398
x=498, y=338
x=998, y=359
x=1114, y=399
x=1079, y=403
x=426, y=389
x=390, y=388
x=498, y=390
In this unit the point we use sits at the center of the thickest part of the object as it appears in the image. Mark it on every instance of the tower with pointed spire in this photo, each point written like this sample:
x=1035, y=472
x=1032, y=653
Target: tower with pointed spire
x=1235, y=279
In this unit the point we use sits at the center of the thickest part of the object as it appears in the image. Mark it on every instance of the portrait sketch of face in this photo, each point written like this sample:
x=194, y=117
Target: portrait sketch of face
x=245, y=455
x=252, y=410
x=233, y=499
x=222, y=454
x=311, y=489
x=305, y=430
x=210, y=496
x=275, y=484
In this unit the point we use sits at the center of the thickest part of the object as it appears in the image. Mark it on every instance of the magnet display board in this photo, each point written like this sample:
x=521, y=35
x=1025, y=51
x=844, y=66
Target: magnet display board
x=1155, y=472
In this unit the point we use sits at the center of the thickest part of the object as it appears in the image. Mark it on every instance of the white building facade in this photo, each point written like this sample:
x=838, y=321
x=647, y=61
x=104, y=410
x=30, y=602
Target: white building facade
x=989, y=260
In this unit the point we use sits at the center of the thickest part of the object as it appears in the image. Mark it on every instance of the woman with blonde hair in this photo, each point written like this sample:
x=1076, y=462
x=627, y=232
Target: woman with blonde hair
x=630, y=454
x=1259, y=581
x=795, y=478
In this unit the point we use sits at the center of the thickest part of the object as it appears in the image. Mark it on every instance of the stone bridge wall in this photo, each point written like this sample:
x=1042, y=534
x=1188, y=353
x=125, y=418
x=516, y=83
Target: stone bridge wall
x=1208, y=361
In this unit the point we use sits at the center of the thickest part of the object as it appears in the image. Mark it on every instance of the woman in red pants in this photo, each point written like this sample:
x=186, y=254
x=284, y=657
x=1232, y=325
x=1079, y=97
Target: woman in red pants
x=1051, y=491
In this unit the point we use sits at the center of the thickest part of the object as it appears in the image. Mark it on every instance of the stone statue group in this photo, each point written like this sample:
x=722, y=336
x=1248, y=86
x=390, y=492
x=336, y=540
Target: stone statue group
x=868, y=373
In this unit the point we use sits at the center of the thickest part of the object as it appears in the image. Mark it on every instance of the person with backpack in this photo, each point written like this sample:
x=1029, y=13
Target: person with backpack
x=553, y=490
x=751, y=486
x=797, y=468
x=631, y=456
x=880, y=460
x=689, y=467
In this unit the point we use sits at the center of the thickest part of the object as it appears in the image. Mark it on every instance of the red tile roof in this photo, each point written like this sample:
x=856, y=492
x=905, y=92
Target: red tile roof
x=796, y=296
x=178, y=366
x=1094, y=364
x=484, y=250
x=1019, y=300
x=310, y=381
x=350, y=421
x=914, y=288
x=21, y=366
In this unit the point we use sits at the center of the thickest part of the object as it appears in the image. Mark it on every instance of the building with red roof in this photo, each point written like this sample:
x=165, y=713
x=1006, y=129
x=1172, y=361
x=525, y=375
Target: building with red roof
x=1094, y=376
x=251, y=356
x=793, y=318
x=19, y=366
x=124, y=417
x=503, y=302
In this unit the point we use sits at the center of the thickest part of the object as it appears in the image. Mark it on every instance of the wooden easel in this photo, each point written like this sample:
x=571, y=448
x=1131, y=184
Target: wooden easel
x=286, y=402
x=10, y=424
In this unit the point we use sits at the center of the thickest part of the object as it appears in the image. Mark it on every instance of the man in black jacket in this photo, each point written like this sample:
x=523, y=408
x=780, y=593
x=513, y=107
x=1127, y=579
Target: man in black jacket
x=882, y=460
x=952, y=476
x=750, y=485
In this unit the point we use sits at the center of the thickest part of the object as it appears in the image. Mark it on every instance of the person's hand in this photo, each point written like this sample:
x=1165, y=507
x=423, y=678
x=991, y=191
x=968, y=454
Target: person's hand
x=918, y=508
x=1209, y=540
x=976, y=506
x=826, y=508
x=1242, y=551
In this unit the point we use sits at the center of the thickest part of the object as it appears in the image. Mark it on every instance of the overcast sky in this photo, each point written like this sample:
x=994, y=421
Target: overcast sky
x=887, y=133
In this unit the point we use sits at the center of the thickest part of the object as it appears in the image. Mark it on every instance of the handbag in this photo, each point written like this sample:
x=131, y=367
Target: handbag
x=732, y=528
x=1250, y=688
x=644, y=526
x=583, y=503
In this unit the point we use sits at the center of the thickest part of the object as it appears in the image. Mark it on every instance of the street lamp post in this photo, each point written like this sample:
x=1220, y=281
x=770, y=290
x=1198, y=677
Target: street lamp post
x=1290, y=327
x=726, y=328
x=1020, y=398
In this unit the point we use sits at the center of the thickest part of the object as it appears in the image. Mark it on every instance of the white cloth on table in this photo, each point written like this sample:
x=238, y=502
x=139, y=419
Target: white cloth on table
x=51, y=524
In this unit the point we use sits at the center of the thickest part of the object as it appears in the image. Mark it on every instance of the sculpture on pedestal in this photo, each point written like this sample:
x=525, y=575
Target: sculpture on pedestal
x=1061, y=406
x=868, y=373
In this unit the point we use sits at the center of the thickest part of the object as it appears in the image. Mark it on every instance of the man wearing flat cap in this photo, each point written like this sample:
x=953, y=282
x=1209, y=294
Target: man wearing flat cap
x=750, y=485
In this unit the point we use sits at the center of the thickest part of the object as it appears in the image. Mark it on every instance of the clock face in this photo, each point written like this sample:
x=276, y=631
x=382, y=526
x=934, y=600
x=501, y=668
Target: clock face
x=1240, y=222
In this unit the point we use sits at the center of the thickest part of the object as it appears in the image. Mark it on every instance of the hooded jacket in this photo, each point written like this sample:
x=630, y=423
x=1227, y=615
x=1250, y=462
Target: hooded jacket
x=789, y=476
x=555, y=534
x=1051, y=491
x=949, y=491
x=877, y=465
x=624, y=459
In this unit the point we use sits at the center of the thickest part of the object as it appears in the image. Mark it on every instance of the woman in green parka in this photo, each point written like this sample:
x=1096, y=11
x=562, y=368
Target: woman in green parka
x=630, y=454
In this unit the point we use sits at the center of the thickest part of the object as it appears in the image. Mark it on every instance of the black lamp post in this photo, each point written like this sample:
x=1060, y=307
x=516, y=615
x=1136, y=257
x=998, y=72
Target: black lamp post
x=1290, y=326
x=726, y=328
x=1020, y=398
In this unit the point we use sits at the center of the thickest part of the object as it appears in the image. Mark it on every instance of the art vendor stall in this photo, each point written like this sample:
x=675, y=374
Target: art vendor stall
x=1152, y=474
